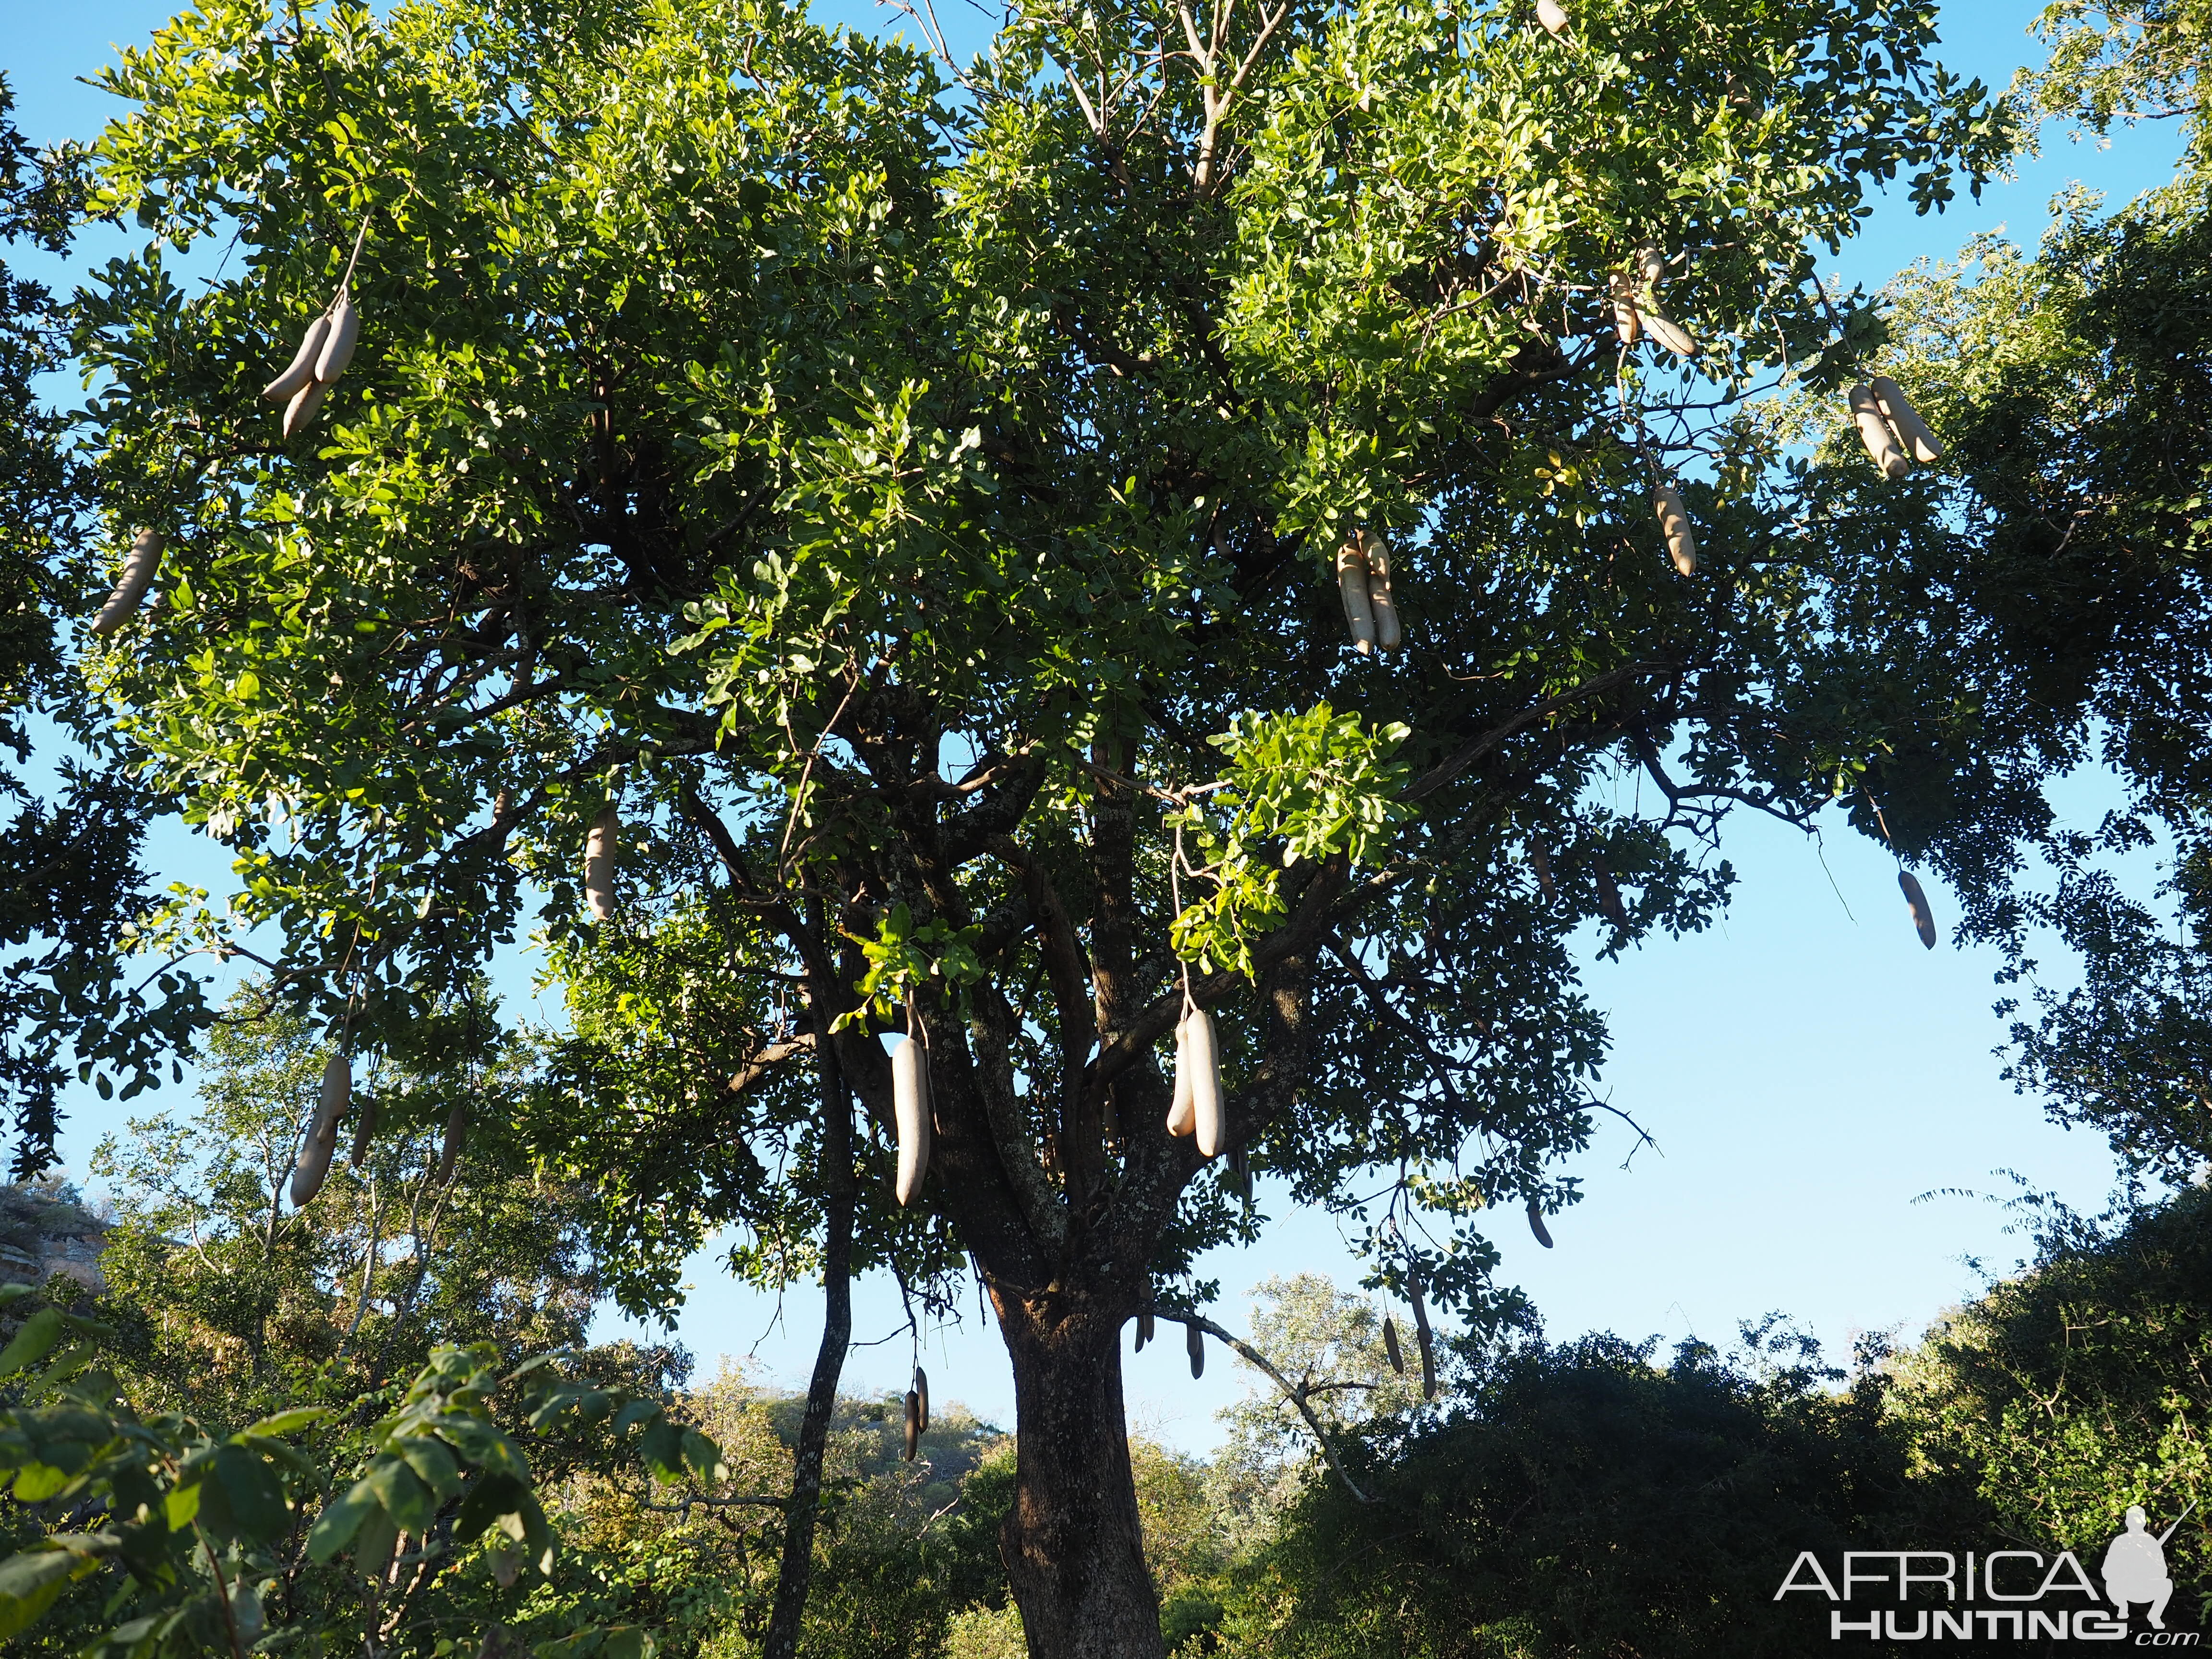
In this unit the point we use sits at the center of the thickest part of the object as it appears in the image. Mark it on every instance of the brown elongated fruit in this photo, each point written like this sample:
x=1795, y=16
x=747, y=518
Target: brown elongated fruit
x=1652, y=264
x=1144, y=1328
x=1608, y=898
x=1549, y=13
x=1536, y=1224
x=913, y=1425
x=1916, y=899
x=364, y=1133
x=1428, y=1343
x=1912, y=434
x=1676, y=338
x=1674, y=525
x=337, y=345
x=1195, y=1345
x=921, y=1393
x=599, y=844
x=301, y=370
x=1541, y=862
x=140, y=565
x=457, y=1129
x=314, y=1162
x=1874, y=432
x=1200, y=1056
x=1388, y=635
x=1628, y=321
x=301, y=410
x=910, y=1113
x=1180, y=1120
x=1397, y=1355
x=1352, y=589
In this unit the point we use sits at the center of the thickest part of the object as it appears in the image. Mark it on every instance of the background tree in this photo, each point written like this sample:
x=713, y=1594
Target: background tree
x=909, y=498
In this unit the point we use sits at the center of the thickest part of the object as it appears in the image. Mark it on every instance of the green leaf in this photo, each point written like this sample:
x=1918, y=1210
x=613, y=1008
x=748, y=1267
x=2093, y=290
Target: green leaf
x=286, y=1422
x=32, y=1582
x=335, y=1527
x=430, y=1460
x=405, y=1497
x=33, y=1342
x=182, y=1506
x=662, y=1448
x=254, y=1496
x=493, y=1496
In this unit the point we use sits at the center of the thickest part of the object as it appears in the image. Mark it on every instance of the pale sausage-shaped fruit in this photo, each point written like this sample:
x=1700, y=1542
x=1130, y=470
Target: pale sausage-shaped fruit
x=323, y=1133
x=301, y=410
x=1651, y=263
x=1390, y=1348
x=599, y=863
x=1352, y=587
x=1201, y=1053
x=910, y=1113
x=913, y=1425
x=1674, y=525
x=1549, y=13
x=1674, y=337
x=1180, y=1122
x=363, y=1133
x=1628, y=321
x=1427, y=1342
x=1536, y=1224
x=1916, y=899
x=1912, y=433
x=921, y=1393
x=1388, y=635
x=139, y=565
x=1194, y=1346
x=338, y=347
x=1144, y=1328
x=1875, y=434
x=457, y=1129
x=295, y=378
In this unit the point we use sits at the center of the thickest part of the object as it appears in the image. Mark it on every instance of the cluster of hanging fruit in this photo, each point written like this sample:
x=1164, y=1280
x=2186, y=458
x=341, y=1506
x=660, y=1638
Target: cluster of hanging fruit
x=1363, y=582
x=917, y=1413
x=1194, y=1341
x=313, y=1166
x=1195, y=1107
x=322, y=357
x=1396, y=1353
x=1891, y=429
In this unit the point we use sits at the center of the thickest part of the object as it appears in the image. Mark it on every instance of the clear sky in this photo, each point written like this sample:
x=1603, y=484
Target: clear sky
x=1808, y=1070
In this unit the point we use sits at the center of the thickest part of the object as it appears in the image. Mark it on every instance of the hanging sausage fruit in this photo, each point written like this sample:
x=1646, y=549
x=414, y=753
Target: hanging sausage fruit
x=1536, y=1224
x=1395, y=1354
x=1916, y=900
x=1676, y=338
x=322, y=1141
x=457, y=1129
x=1428, y=1342
x=1674, y=525
x=599, y=844
x=1144, y=1328
x=1627, y=322
x=910, y=1115
x=1912, y=434
x=1388, y=635
x=921, y=1397
x=1352, y=589
x=139, y=565
x=1195, y=1345
x=913, y=1425
x=1549, y=13
x=1195, y=1109
x=1874, y=432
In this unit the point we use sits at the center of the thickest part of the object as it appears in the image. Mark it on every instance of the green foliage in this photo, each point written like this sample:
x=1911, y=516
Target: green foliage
x=204, y=1542
x=2075, y=1389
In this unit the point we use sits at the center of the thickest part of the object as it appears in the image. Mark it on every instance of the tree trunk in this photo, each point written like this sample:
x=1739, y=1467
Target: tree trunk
x=1073, y=1548
x=797, y=1570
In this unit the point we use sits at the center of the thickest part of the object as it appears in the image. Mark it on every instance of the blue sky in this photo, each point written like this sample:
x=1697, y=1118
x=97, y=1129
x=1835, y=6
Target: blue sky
x=1808, y=1071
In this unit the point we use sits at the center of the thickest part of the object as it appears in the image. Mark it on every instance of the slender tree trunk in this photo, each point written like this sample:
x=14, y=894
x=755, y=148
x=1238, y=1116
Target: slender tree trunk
x=1073, y=1547
x=797, y=1570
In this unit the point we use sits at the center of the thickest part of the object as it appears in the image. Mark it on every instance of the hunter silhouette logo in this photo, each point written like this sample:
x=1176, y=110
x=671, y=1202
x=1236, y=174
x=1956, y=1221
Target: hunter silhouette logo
x=2135, y=1566
x=2007, y=1594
